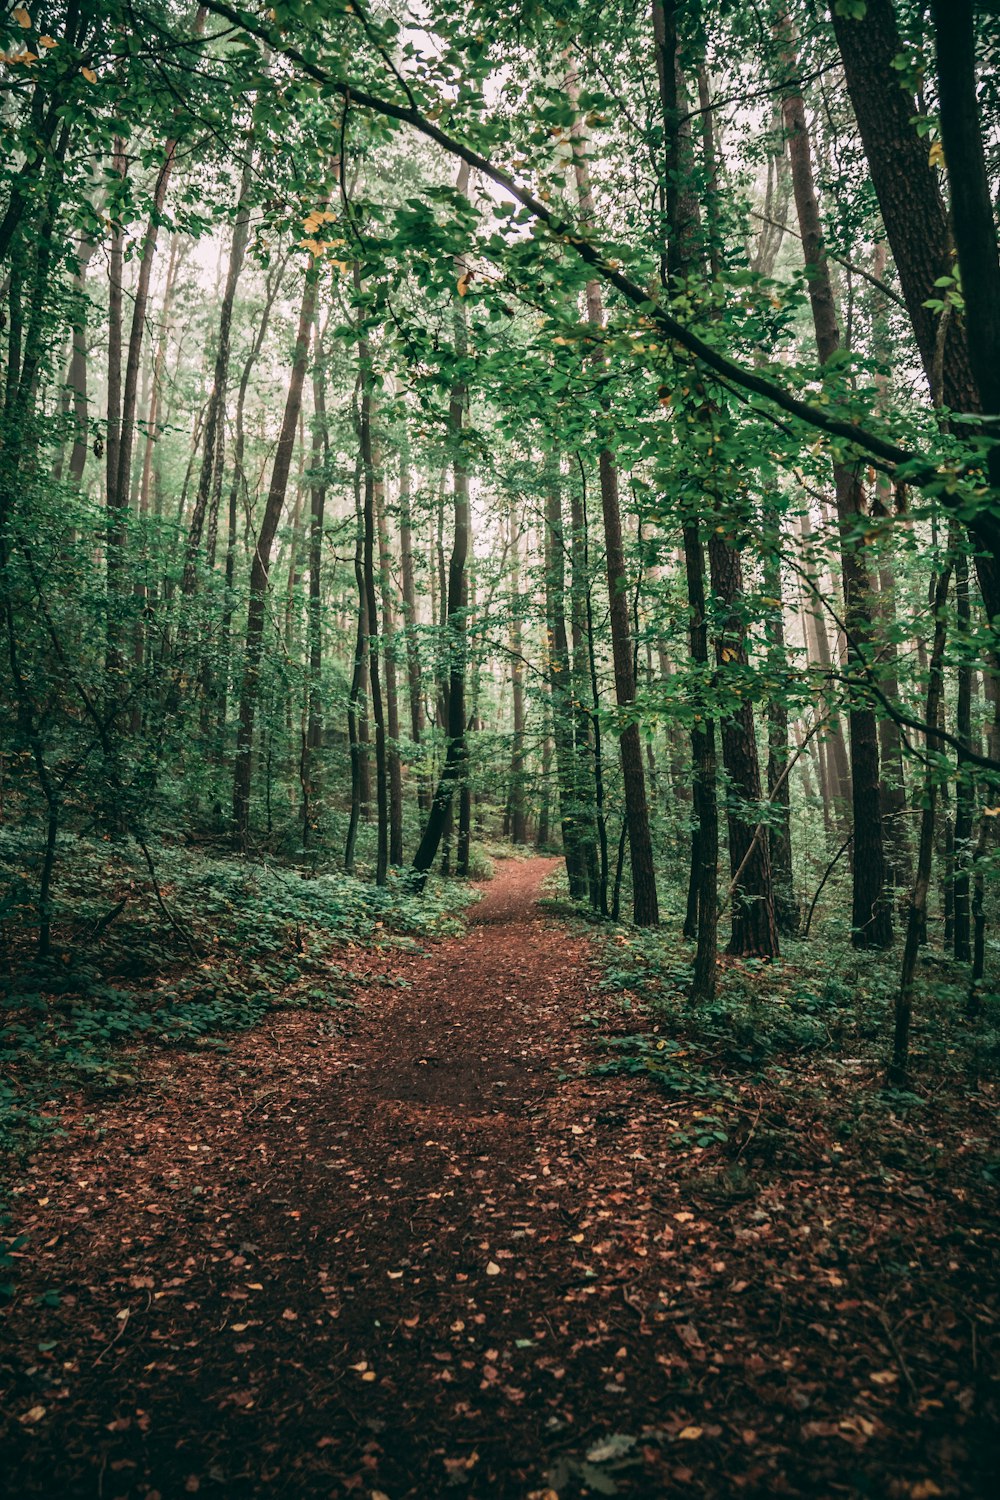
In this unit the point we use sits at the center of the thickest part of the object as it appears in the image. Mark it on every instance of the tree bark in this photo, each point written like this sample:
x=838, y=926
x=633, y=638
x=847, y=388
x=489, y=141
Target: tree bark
x=456, y=753
x=916, y=221
x=871, y=920
x=393, y=762
x=215, y=411
x=261, y=564
x=754, y=928
x=645, y=907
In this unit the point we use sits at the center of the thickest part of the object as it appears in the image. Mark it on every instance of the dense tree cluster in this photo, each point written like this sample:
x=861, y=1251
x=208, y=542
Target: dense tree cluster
x=575, y=422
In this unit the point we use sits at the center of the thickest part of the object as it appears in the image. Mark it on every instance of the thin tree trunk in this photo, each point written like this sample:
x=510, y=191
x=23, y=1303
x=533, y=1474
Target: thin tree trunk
x=703, y=899
x=786, y=907
x=645, y=907
x=261, y=564
x=215, y=411
x=394, y=764
x=754, y=929
x=515, y=799
x=409, y=593
x=78, y=363
x=964, y=784
x=560, y=686
x=355, y=702
x=917, y=914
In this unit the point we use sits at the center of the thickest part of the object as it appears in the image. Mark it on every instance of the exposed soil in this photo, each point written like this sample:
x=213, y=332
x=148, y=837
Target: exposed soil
x=432, y=1254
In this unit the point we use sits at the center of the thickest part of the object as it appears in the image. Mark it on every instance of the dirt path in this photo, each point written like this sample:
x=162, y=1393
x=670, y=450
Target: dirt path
x=435, y=1256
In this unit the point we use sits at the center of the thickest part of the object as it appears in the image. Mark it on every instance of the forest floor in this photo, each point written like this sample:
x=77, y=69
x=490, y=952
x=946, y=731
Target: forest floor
x=429, y=1252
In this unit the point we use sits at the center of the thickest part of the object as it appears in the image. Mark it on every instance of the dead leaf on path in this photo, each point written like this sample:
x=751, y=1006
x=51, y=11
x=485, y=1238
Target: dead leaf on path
x=689, y=1434
x=492, y=1269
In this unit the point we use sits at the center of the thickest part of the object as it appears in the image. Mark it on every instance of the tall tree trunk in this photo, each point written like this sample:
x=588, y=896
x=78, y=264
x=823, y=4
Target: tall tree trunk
x=917, y=914
x=645, y=907
x=754, y=929
x=964, y=784
x=560, y=685
x=455, y=764
x=394, y=764
x=261, y=564
x=159, y=360
x=916, y=222
x=355, y=703
x=515, y=800
x=112, y=440
x=703, y=898
x=409, y=598
x=237, y=487
x=588, y=769
x=78, y=362
x=871, y=918
x=779, y=834
x=837, y=782
x=215, y=411
x=369, y=481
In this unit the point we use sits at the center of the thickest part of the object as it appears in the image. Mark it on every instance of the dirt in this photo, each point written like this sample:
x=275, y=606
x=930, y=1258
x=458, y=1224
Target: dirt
x=431, y=1253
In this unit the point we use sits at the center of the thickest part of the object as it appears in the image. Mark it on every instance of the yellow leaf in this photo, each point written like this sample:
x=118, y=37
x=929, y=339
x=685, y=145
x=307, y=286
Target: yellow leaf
x=368, y=1375
x=21, y=17
x=492, y=1269
x=463, y=283
x=936, y=155
x=34, y=1414
x=690, y=1433
x=46, y=42
x=89, y=74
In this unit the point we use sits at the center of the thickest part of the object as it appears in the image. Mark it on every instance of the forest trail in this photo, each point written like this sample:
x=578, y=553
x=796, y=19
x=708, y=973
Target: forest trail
x=433, y=1254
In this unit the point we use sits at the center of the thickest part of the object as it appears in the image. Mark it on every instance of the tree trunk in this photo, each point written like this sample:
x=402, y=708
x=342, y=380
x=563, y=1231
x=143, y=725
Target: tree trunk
x=917, y=915
x=215, y=411
x=409, y=593
x=964, y=784
x=261, y=565
x=645, y=907
x=779, y=833
x=454, y=770
x=515, y=797
x=394, y=765
x=78, y=363
x=703, y=900
x=871, y=921
x=754, y=929
x=916, y=222
x=238, y=485
x=560, y=686
x=369, y=481
x=355, y=701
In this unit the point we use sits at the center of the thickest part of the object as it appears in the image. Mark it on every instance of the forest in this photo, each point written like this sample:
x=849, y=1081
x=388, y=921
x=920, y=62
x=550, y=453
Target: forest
x=500, y=748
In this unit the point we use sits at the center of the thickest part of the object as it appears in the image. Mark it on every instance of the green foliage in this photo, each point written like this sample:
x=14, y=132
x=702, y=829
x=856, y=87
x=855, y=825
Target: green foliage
x=263, y=938
x=815, y=1002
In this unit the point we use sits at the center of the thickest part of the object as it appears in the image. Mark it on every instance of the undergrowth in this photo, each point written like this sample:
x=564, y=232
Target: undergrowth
x=819, y=1019
x=224, y=943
